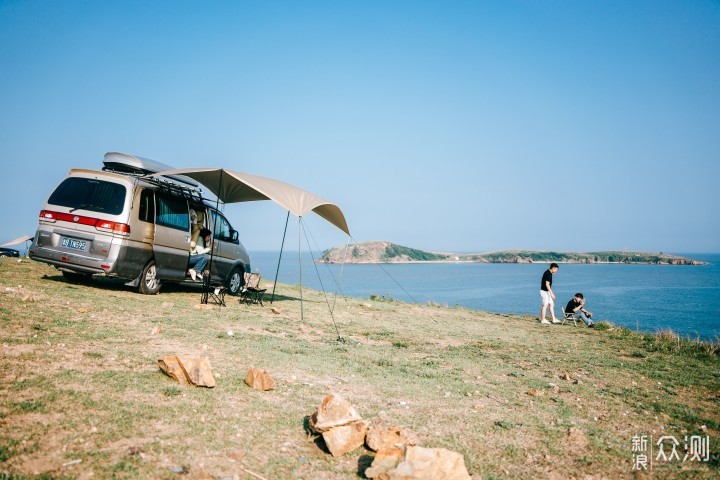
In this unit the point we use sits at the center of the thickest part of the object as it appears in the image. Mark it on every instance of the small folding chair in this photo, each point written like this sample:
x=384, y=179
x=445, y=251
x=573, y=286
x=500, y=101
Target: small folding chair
x=214, y=292
x=251, y=291
x=217, y=293
x=568, y=316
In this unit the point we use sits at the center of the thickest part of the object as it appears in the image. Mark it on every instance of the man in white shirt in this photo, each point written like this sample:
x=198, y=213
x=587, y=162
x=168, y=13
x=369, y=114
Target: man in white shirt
x=547, y=295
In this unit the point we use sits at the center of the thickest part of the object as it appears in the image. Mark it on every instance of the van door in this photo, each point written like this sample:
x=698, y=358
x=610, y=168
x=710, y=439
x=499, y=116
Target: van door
x=225, y=252
x=142, y=227
x=172, y=237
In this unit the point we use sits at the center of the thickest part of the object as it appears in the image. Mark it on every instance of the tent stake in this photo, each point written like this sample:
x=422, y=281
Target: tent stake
x=282, y=245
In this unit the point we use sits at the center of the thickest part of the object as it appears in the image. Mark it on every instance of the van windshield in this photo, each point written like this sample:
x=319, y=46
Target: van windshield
x=89, y=194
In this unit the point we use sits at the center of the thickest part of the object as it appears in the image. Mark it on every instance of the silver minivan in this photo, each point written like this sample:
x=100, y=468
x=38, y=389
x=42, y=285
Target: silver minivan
x=120, y=223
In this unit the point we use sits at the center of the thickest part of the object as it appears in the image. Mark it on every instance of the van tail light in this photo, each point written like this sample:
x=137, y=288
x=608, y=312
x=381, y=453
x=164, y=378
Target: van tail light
x=122, y=229
x=47, y=216
x=113, y=227
x=116, y=228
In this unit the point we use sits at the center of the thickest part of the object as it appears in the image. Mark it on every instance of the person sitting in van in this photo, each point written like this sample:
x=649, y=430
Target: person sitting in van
x=196, y=224
x=199, y=256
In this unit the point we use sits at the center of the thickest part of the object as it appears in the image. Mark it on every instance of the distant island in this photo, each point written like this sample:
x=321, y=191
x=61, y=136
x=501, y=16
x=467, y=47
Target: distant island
x=387, y=252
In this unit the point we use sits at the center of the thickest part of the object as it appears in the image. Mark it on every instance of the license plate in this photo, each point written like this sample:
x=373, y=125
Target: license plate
x=74, y=244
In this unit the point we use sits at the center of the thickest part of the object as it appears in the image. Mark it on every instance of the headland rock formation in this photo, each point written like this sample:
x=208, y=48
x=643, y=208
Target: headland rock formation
x=388, y=252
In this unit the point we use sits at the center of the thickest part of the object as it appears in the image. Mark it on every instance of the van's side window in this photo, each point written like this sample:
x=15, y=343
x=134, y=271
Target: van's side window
x=173, y=212
x=223, y=230
x=146, y=212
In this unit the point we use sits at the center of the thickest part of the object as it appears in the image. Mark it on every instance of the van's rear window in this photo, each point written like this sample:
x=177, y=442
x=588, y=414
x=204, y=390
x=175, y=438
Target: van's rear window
x=89, y=194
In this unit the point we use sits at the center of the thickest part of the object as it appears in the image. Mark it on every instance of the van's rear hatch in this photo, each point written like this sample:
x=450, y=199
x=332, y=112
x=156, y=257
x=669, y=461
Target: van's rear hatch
x=80, y=220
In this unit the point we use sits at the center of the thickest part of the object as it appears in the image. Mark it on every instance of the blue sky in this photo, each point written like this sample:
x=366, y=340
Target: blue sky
x=446, y=126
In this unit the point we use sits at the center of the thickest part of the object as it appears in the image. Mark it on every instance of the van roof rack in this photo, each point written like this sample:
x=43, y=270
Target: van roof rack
x=166, y=185
x=133, y=165
x=143, y=168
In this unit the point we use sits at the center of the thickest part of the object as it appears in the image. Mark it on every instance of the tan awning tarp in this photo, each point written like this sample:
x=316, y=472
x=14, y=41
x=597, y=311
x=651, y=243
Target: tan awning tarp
x=24, y=238
x=231, y=186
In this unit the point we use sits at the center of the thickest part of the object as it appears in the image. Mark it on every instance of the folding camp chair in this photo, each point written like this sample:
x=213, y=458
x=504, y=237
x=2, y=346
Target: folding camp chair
x=568, y=316
x=251, y=291
x=216, y=293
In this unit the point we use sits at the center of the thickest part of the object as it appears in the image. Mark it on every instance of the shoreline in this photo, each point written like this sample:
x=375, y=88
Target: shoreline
x=604, y=324
x=506, y=289
x=559, y=262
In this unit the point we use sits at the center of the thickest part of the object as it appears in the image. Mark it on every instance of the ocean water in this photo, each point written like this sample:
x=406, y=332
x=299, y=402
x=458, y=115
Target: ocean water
x=650, y=298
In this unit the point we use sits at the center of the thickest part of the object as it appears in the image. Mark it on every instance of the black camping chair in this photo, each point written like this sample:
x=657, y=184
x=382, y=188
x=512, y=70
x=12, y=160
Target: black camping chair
x=216, y=293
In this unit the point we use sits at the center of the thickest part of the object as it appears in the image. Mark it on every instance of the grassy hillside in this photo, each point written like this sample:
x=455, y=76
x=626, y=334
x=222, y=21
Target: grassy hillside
x=81, y=395
x=393, y=251
x=387, y=252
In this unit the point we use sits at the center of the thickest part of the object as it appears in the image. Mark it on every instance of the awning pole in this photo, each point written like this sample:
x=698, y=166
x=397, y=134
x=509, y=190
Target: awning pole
x=282, y=245
x=206, y=280
x=302, y=316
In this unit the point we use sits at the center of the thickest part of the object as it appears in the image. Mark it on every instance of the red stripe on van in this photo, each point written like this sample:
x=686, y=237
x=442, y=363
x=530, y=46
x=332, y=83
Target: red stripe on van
x=69, y=217
x=102, y=225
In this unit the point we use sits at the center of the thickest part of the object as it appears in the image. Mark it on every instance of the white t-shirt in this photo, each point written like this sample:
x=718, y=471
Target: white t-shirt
x=199, y=250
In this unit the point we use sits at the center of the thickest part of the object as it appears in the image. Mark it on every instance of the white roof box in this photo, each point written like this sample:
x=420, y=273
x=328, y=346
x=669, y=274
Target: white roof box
x=124, y=163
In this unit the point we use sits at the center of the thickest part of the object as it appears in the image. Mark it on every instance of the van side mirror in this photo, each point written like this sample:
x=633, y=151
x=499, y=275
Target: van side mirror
x=234, y=235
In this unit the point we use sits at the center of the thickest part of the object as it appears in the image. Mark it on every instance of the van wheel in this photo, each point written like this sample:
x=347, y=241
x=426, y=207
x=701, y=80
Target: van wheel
x=235, y=281
x=149, y=283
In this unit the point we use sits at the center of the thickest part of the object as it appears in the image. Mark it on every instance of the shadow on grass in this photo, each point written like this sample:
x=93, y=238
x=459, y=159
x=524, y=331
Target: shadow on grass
x=279, y=298
x=116, y=285
x=87, y=281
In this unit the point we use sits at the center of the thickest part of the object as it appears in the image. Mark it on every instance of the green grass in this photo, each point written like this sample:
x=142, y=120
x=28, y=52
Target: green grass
x=81, y=381
x=393, y=251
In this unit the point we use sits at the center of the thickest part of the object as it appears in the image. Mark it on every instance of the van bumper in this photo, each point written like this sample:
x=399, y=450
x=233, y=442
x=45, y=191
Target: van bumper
x=73, y=262
x=126, y=260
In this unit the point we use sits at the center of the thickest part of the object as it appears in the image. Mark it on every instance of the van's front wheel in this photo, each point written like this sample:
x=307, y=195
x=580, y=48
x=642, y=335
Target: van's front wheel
x=235, y=281
x=149, y=283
